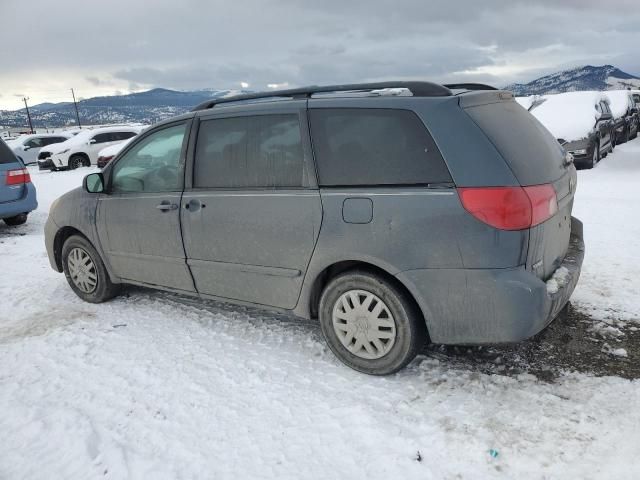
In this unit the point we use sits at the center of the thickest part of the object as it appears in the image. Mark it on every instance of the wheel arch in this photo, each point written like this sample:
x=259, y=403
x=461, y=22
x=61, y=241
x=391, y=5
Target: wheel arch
x=331, y=271
x=58, y=241
x=84, y=155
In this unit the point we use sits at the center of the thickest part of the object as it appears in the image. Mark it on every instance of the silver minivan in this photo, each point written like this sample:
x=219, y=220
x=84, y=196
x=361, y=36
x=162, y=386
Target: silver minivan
x=395, y=213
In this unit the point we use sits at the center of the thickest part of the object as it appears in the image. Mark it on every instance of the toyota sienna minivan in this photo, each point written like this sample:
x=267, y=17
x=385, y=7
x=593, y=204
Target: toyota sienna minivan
x=395, y=213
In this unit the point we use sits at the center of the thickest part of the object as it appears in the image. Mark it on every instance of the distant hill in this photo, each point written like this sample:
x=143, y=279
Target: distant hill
x=146, y=107
x=605, y=77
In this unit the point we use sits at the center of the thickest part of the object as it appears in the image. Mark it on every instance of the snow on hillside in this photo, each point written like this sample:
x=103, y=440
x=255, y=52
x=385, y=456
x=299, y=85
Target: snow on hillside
x=605, y=77
x=153, y=385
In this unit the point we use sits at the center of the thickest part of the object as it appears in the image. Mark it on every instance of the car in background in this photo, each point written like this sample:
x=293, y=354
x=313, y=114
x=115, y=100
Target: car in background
x=27, y=147
x=107, y=154
x=625, y=115
x=82, y=150
x=17, y=193
x=582, y=123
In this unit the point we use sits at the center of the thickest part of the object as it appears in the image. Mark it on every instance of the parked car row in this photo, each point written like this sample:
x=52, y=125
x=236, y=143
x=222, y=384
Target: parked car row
x=83, y=149
x=588, y=124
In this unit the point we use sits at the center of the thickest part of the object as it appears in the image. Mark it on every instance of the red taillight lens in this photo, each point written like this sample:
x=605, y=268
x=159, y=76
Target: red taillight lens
x=18, y=176
x=544, y=203
x=510, y=208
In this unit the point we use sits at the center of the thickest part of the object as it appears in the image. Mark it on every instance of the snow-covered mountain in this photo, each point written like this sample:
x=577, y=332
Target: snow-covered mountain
x=605, y=77
x=146, y=107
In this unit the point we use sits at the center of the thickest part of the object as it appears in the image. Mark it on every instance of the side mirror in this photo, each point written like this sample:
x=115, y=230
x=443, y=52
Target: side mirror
x=93, y=183
x=25, y=148
x=93, y=140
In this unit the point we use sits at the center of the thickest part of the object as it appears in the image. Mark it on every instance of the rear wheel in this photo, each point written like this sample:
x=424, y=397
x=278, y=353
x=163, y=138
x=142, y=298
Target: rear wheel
x=17, y=220
x=369, y=323
x=85, y=271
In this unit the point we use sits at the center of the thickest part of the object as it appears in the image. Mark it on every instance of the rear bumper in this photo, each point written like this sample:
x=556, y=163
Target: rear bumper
x=483, y=306
x=26, y=204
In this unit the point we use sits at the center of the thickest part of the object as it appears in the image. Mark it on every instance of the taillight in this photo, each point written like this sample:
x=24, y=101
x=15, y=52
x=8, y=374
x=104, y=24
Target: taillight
x=18, y=176
x=510, y=208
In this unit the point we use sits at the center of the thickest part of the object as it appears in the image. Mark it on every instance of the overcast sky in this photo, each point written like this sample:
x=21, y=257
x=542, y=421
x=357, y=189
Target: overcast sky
x=116, y=46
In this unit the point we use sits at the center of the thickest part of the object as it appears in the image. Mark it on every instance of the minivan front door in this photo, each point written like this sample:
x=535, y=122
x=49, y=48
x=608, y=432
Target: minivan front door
x=138, y=220
x=252, y=215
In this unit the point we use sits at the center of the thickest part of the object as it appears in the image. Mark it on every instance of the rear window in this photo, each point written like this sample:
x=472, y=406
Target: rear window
x=6, y=155
x=533, y=154
x=357, y=146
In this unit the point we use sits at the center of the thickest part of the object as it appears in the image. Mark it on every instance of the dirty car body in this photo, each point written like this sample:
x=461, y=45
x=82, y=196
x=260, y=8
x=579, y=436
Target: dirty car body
x=459, y=201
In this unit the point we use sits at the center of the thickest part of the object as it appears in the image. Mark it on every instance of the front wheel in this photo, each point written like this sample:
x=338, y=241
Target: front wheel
x=370, y=324
x=76, y=161
x=17, y=220
x=85, y=271
x=595, y=157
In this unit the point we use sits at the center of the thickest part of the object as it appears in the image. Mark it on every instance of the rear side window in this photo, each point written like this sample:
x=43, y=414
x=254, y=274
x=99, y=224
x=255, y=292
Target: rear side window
x=357, y=146
x=262, y=151
x=533, y=154
x=6, y=155
x=117, y=136
x=103, y=138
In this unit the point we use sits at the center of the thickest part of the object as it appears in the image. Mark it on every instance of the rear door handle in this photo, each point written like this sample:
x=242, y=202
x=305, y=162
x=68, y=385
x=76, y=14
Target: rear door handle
x=166, y=206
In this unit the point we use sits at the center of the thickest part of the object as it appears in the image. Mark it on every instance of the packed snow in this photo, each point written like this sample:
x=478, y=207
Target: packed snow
x=152, y=385
x=570, y=116
x=620, y=101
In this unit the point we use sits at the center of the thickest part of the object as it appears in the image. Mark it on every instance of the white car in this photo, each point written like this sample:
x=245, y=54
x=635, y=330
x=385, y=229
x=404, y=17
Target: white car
x=27, y=147
x=82, y=150
x=106, y=154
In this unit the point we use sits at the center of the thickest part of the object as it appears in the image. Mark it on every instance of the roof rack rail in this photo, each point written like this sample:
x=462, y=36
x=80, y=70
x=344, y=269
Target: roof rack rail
x=418, y=89
x=469, y=86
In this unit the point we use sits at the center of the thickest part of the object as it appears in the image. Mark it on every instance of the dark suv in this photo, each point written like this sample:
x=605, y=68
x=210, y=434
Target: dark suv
x=394, y=212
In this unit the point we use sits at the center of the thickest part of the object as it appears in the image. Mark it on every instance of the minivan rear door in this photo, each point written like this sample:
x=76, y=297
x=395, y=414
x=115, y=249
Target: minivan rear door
x=251, y=209
x=536, y=158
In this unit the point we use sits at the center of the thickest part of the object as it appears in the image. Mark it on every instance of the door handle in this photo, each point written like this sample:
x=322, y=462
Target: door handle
x=166, y=206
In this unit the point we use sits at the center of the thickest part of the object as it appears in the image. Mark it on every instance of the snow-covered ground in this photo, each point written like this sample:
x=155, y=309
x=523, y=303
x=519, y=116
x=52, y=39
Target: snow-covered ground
x=155, y=386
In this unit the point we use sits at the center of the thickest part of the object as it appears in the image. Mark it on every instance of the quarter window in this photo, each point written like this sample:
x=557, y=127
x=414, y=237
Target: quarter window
x=263, y=151
x=153, y=164
x=374, y=147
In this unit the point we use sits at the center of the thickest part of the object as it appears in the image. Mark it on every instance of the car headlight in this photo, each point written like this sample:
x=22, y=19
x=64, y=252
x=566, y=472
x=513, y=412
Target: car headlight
x=581, y=151
x=63, y=151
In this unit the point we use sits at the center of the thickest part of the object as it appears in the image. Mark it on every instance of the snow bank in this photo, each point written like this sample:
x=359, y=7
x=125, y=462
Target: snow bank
x=557, y=280
x=619, y=102
x=526, y=102
x=570, y=116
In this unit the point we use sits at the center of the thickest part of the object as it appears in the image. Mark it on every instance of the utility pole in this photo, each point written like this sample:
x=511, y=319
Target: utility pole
x=75, y=104
x=24, y=99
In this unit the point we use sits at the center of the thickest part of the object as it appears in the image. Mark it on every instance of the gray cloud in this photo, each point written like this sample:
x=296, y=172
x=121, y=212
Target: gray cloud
x=193, y=44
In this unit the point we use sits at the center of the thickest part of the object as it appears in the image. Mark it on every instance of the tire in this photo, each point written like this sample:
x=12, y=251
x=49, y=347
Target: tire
x=17, y=220
x=76, y=161
x=380, y=323
x=85, y=271
x=595, y=157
